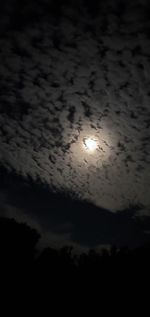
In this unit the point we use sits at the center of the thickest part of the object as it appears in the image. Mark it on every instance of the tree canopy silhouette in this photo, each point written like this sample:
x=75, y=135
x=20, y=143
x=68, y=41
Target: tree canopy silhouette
x=17, y=243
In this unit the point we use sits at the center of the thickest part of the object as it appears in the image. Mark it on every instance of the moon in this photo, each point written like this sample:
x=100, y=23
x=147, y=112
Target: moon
x=90, y=144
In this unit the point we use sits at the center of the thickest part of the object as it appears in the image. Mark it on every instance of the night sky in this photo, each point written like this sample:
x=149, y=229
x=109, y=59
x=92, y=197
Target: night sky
x=72, y=71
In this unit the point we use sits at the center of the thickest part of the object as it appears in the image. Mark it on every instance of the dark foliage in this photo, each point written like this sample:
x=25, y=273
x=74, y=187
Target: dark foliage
x=17, y=244
x=18, y=252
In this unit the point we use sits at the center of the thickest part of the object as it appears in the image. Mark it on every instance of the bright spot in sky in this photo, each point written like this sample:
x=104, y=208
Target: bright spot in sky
x=90, y=144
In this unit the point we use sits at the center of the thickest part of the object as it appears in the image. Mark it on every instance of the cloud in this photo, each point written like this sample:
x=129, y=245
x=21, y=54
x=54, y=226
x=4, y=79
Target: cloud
x=55, y=236
x=63, y=82
x=64, y=221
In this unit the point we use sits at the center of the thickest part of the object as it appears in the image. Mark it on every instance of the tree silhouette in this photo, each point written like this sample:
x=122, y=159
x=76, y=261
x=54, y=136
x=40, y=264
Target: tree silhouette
x=18, y=254
x=17, y=243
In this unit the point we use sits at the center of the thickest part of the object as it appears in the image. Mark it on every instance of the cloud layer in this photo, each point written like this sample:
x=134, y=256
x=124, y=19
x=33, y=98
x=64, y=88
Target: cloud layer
x=62, y=221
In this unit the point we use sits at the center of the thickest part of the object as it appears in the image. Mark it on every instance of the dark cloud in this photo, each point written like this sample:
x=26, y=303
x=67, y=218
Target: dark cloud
x=61, y=220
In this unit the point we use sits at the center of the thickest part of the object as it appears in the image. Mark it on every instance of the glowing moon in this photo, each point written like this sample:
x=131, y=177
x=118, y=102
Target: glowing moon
x=90, y=144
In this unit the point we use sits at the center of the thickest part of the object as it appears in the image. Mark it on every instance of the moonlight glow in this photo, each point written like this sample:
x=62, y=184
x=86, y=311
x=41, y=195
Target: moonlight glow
x=90, y=144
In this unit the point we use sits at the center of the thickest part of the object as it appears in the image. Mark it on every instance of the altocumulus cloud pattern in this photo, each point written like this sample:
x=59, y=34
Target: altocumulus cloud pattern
x=65, y=76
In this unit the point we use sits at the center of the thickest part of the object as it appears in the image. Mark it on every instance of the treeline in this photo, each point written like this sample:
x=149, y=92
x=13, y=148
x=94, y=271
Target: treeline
x=18, y=253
